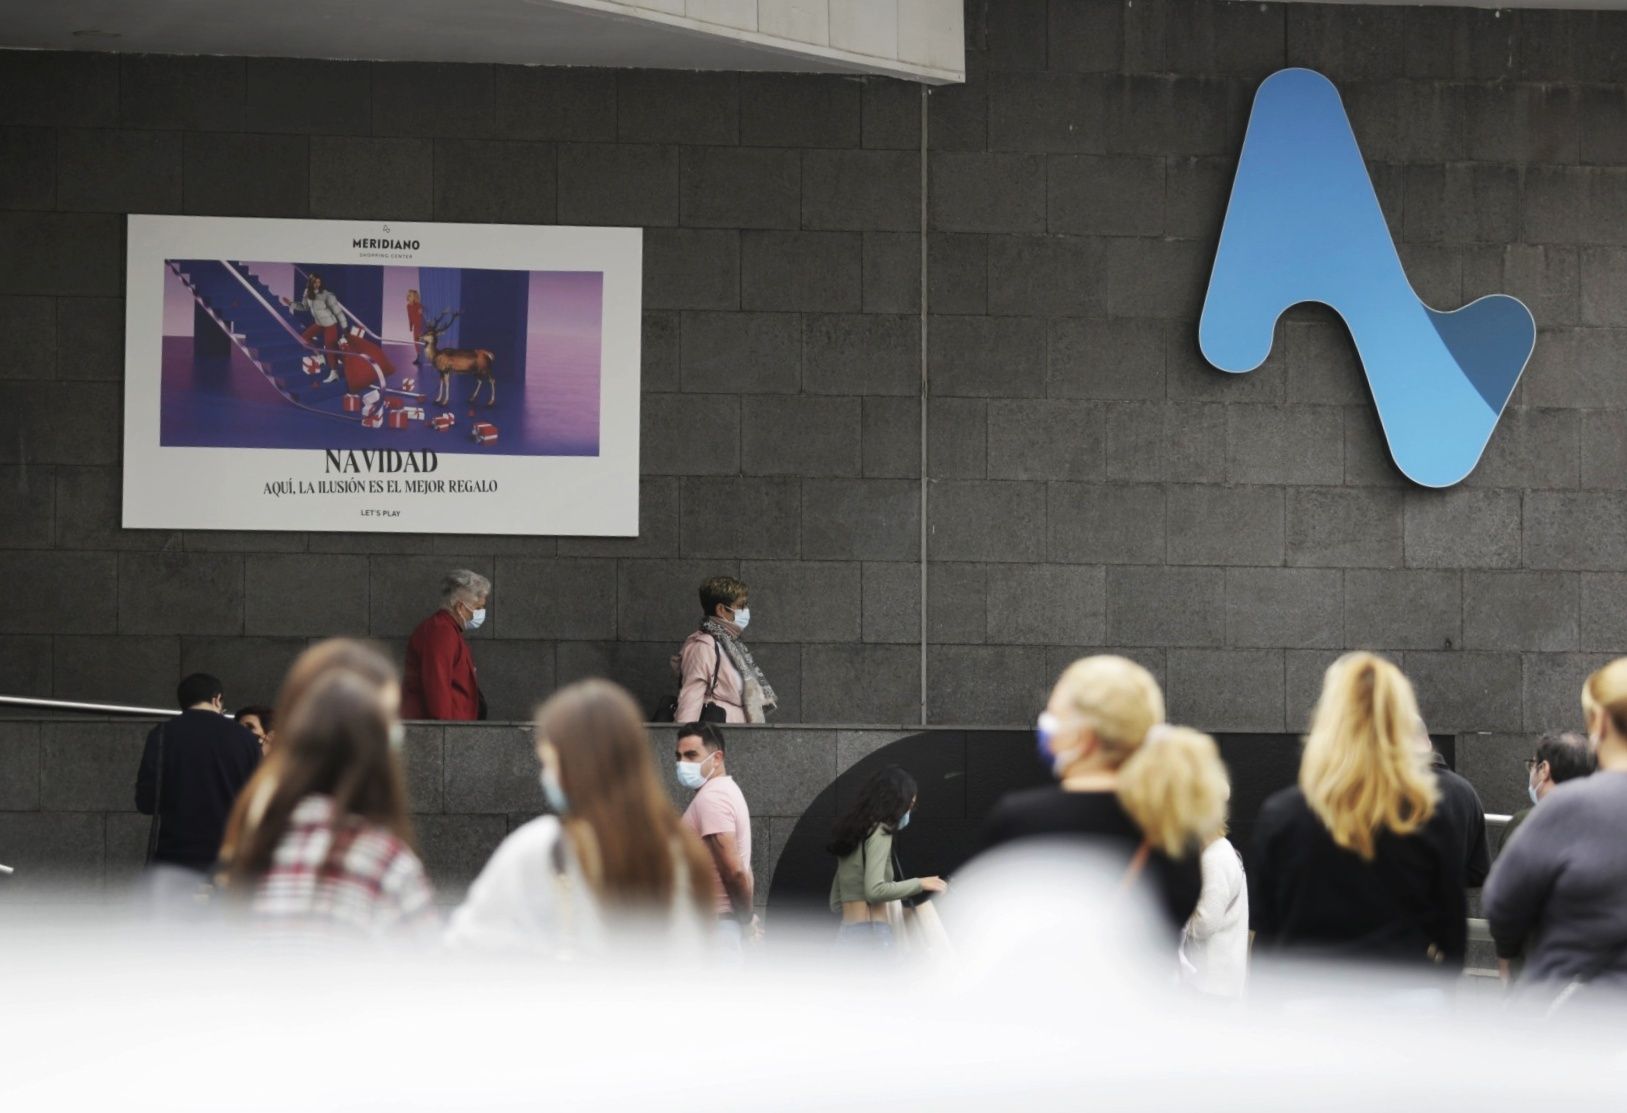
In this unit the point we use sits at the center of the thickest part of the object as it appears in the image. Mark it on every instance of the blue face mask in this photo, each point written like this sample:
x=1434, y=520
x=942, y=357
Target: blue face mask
x=905, y=822
x=553, y=793
x=1044, y=732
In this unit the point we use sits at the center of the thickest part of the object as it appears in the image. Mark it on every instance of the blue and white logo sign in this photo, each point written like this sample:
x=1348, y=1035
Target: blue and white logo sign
x=1304, y=224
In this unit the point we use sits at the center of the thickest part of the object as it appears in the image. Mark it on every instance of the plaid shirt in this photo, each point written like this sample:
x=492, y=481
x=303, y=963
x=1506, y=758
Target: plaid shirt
x=374, y=888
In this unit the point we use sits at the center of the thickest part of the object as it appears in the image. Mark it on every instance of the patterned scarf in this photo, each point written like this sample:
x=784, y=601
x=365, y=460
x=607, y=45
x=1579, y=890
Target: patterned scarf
x=756, y=694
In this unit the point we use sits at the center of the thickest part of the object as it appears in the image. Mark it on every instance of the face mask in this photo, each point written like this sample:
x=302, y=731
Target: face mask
x=553, y=793
x=1045, y=733
x=691, y=774
x=905, y=822
x=1531, y=789
x=742, y=617
x=398, y=736
x=477, y=618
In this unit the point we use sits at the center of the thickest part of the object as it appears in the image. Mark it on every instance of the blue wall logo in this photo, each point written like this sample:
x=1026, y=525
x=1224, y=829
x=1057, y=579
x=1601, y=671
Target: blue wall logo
x=1304, y=224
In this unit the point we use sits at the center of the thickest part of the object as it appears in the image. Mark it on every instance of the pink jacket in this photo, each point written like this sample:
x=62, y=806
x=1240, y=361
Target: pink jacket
x=699, y=657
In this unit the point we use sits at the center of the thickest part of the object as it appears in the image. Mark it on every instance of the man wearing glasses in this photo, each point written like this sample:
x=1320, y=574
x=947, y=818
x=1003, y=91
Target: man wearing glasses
x=1562, y=755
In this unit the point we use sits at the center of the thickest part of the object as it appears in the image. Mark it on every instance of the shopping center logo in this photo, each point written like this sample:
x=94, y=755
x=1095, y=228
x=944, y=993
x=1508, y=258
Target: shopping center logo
x=1304, y=224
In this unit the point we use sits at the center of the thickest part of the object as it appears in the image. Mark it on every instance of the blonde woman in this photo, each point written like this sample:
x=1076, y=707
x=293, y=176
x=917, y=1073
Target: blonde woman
x=1214, y=951
x=1559, y=891
x=1152, y=794
x=1357, y=860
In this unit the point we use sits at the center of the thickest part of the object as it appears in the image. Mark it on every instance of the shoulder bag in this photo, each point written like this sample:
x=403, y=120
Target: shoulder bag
x=158, y=798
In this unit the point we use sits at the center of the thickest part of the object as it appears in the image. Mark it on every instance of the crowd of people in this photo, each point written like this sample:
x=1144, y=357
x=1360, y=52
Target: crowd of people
x=295, y=819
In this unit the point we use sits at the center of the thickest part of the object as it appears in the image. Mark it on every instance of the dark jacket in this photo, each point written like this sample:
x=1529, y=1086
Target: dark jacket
x=439, y=679
x=207, y=760
x=1462, y=807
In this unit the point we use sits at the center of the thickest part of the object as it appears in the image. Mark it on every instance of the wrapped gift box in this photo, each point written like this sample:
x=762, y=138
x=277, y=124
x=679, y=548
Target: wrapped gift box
x=483, y=432
x=396, y=419
x=414, y=413
x=443, y=422
x=374, y=419
x=352, y=403
x=409, y=385
x=311, y=365
x=394, y=402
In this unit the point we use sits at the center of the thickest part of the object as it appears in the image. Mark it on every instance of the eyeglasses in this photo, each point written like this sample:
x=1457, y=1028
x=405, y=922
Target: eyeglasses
x=1532, y=762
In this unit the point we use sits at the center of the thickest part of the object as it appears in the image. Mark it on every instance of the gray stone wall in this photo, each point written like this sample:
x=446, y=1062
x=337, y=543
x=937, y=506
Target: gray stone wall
x=1090, y=482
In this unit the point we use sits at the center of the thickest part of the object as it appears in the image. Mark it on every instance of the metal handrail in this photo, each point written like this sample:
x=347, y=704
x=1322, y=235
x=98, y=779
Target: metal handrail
x=77, y=705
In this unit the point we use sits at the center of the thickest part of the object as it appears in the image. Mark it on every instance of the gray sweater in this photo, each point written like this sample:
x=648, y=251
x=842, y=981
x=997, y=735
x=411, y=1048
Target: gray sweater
x=1559, y=890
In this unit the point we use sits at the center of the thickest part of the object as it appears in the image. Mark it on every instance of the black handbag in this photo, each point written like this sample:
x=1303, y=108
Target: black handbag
x=158, y=798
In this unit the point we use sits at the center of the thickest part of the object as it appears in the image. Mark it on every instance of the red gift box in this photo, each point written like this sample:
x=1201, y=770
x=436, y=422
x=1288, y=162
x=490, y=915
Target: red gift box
x=352, y=403
x=443, y=422
x=311, y=365
x=395, y=403
x=396, y=419
x=373, y=419
x=414, y=413
x=409, y=385
x=483, y=432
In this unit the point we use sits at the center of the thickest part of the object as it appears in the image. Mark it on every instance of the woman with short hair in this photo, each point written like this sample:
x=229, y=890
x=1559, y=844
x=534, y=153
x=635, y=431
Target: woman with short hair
x=718, y=679
x=1357, y=861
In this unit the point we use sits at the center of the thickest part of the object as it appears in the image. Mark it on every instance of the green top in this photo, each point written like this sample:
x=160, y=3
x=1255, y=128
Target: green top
x=867, y=873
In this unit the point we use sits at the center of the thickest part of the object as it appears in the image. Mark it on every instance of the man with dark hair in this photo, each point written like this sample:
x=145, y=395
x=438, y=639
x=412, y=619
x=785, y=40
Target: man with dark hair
x=1562, y=755
x=1463, y=812
x=191, y=771
x=256, y=719
x=718, y=679
x=718, y=814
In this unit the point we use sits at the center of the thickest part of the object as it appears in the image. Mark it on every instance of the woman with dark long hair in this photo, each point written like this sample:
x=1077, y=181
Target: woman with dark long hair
x=612, y=857
x=865, y=879
x=319, y=843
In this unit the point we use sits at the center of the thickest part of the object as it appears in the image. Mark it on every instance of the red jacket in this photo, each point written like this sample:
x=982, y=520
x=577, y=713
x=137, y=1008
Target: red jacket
x=439, y=680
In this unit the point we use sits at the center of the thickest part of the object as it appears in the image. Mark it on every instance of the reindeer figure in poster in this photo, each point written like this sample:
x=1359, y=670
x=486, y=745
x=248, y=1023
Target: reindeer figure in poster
x=457, y=361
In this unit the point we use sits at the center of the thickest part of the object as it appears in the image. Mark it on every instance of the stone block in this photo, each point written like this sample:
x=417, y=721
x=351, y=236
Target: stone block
x=68, y=253
x=1053, y=276
x=246, y=175
x=84, y=88
x=405, y=590
x=892, y=272
x=72, y=593
x=1463, y=203
x=861, y=683
x=1576, y=530
x=1460, y=42
x=960, y=115
x=800, y=435
x=1575, y=369
x=1045, y=439
x=1047, y=112
x=1113, y=195
x=372, y=179
x=741, y=352
x=20, y=767
x=1540, y=448
x=555, y=102
x=1462, y=529
x=1303, y=672
x=1227, y=689
x=689, y=434
x=423, y=758
x=1154, y=606
x=890, y=110
x=1602, y=116
x=734, y=187
x=25, y=662
x=1323, y=367
x=489, y=770
x=32, y=155
x=890, y=602
x=688, y=268
x=1348, y=42
x=602, y=183
x=1226, y=525
x=455, y=848
x=90, y=338
x=560, y=599
x=862, y=191
x=125, y=840
x=1191, y=378
x=1193, y=449
x=89, y=767
x=1120, y=358
x=1603, y=611
x=1526, y=123
x=891, y=438
x=1602, y=272
x=1403, y=609
x=433, y=99
x=986, y=684
x=658, y=352
x=1084, y=38
x=492, y=181
x=515, y=676
x=1156, y=114
x=1047, y=604
x=986, y=357
x=1114, y=523
x=658, y=524
x=1574, y=204
x=27, y=506
x=860, y=519
x=1295, y=608
x=1240, y=40
x=958, y=438
x=975, y=191
x=274, y=89
x=799, y=110
x=1166, y=277
x=53, y=853
x=1367, y=459
x=957, y=273
x=738, y=518
x=784, y=772
x=1521, y=610
x=643, y=668
x=1495, y=764
x=1301, y=445
x=658, y=602
x=819, y=272
x=956, y=603
x=332, y=594
x=861, y=354
x=194, y=93
x=33, y=432
x=1196, y=192
x=1466, y=691
x=1345, y=527
x=139, y=671
x=666, y=106
x=251, y=670
x=985, y=520
x=34, y=317
x=803, y=601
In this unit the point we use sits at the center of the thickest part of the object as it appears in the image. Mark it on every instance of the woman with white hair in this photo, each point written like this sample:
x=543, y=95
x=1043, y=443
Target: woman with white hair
x=439, y=681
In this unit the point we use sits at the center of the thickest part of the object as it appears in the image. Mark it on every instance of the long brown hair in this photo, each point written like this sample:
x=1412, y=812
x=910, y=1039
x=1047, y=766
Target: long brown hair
x=625, y=831
x=334, y=740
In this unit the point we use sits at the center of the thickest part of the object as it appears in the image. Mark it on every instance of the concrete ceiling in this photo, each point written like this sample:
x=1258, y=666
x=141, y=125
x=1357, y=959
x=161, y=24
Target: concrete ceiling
x=529, y=32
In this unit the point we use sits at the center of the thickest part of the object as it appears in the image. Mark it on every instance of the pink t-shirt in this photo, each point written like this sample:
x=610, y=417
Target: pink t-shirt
x=719, y=808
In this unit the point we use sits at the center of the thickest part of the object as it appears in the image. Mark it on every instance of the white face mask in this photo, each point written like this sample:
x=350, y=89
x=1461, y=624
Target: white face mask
x=398, y=736
x=1532, y=790
x=692, y=774
x=742, y=617
x=476, y=618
